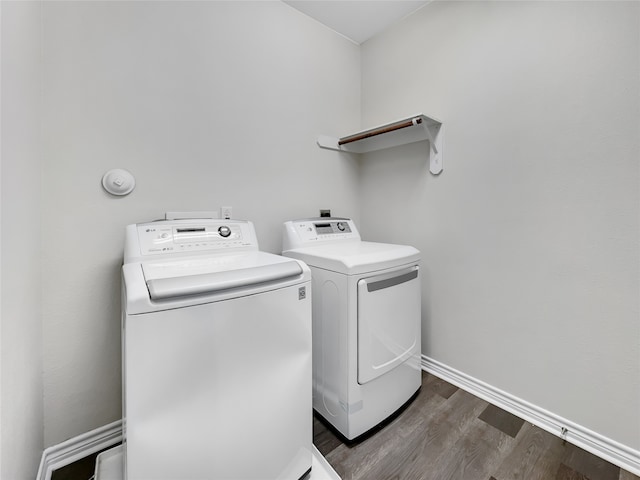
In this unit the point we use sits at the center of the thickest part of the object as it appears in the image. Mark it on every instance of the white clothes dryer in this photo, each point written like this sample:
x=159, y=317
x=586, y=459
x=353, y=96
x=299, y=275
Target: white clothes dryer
x=216, y=343
x=366, y=322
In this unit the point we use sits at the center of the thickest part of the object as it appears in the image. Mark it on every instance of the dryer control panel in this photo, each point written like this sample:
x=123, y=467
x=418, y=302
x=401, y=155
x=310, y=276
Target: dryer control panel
x=301, y=233
x=330, y=228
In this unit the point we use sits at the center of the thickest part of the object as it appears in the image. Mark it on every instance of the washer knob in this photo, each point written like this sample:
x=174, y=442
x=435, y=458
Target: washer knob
x=224, y=231
x=341, y=226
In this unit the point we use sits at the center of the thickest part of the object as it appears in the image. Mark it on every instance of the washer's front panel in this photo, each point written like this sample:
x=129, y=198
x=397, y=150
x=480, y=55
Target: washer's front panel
x=205, y=385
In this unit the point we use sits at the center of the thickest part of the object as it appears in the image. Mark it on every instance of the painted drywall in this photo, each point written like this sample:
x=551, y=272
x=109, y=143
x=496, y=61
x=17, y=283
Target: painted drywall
x=207, y=104
x=530, y=236
x=21, y=415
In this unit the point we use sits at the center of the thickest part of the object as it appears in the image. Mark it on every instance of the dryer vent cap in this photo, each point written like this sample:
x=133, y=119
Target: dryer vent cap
x=118, y=182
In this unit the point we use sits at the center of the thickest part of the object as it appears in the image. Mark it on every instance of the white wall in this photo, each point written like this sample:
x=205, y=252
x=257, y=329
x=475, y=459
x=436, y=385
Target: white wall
x=530, y=236
x=21, y=416
x=207, y=104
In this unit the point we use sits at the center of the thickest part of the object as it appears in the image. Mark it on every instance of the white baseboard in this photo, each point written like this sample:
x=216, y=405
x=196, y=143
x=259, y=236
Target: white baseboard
x=610, y=450
x=74, y=449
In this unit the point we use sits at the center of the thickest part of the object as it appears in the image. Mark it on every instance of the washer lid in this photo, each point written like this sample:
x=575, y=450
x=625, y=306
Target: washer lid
x=209, y=274
x=352, y=258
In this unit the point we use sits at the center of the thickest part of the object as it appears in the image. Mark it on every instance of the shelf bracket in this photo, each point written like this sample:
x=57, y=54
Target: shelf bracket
x=434, y=135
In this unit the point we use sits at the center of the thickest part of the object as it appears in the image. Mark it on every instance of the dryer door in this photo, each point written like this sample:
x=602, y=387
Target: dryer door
x=388, y=321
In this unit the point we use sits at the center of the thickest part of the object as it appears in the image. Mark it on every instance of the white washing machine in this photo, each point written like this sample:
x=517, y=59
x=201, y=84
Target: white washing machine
x=366, y=322
x=216, y=355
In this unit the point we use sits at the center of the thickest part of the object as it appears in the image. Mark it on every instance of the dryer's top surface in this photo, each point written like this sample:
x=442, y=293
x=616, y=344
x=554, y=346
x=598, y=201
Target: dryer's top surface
x=335, y=244
x=352, y=258
x=318, y=231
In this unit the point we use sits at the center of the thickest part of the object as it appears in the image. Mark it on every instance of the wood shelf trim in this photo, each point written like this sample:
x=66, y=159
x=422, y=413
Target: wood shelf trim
x=380, y=130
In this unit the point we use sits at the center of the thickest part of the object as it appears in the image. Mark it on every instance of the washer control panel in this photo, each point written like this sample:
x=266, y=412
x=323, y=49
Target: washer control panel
x=170, y=237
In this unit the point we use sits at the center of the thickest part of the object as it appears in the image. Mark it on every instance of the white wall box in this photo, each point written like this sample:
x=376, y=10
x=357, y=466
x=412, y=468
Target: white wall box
x=415, y=128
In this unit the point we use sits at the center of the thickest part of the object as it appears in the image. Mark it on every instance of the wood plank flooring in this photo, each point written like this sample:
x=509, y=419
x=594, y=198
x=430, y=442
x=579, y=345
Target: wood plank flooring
x=448, y=434
x=82, y=469
x=444, y=434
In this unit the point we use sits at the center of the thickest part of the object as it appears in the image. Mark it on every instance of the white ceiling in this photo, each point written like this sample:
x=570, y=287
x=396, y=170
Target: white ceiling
x=357, y=20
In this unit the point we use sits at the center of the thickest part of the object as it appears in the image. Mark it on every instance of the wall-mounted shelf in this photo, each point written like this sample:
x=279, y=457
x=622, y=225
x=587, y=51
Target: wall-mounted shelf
x=412, y=129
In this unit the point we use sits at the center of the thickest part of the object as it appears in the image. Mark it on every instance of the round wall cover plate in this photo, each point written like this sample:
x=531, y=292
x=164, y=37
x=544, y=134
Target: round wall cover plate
x=118, y=182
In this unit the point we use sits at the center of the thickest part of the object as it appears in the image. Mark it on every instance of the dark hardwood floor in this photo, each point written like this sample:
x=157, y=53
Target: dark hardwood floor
x=448, y=434
x=444, y=434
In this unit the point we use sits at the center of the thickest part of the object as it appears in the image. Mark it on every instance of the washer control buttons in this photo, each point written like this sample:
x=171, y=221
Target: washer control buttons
x=224, y=231
x=341, y=226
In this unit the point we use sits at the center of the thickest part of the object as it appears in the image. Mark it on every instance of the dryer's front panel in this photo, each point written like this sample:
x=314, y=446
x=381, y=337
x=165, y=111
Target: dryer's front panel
x=388, y=321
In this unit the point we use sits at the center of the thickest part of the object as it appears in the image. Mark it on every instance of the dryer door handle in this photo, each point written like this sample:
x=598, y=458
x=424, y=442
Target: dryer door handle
x=386, y=281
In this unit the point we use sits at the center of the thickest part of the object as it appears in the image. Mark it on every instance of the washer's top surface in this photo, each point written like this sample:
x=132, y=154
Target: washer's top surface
x=179, y=263
x=155, y=269
x=352, y=258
